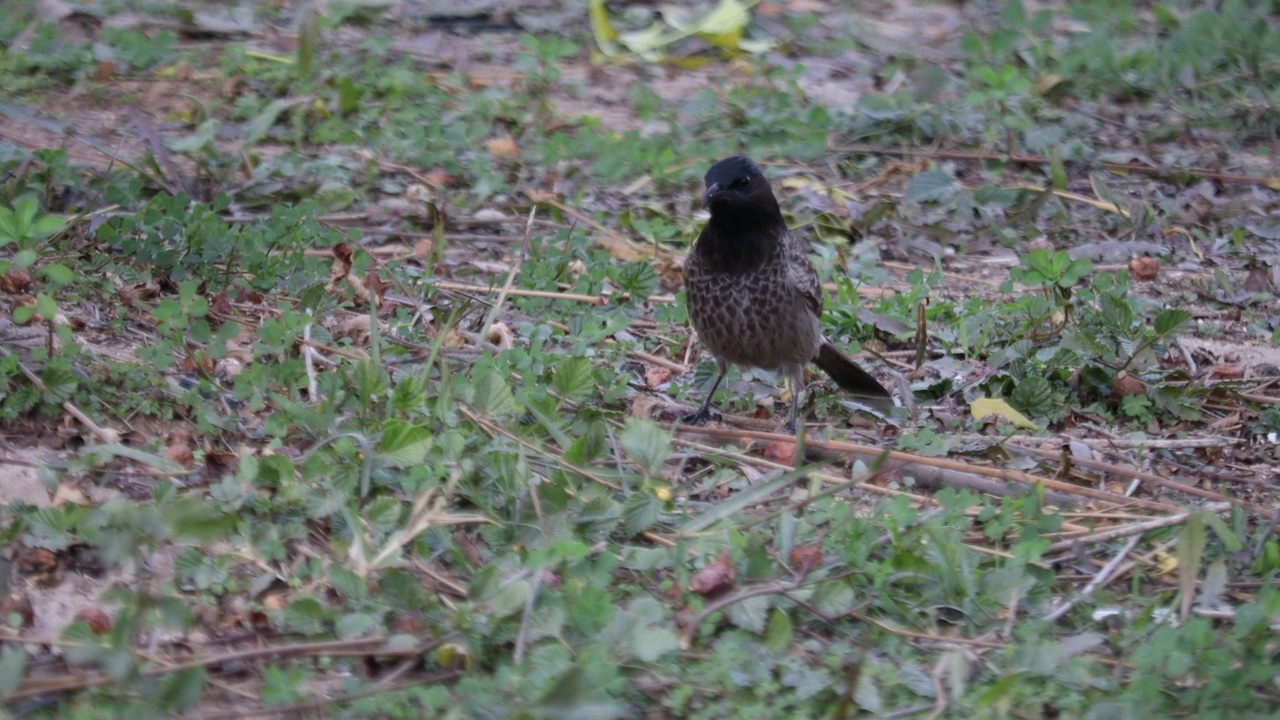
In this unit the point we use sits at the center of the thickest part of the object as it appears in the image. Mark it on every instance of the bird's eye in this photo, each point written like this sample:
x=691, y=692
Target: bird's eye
x=741, y=183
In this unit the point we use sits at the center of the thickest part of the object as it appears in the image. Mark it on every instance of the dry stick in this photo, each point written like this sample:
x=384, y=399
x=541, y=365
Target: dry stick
x=103, y=435
x=1128, y=443
x=662, y=362
x=1137, y=474
x=309, y=363
x=1118, y=532
x=907, y=460
x=511, y=276
x=466, y=287
x=1097, y=581
x=847, y=482
x=1273, y=183
x=547, y=294
x=522, y=635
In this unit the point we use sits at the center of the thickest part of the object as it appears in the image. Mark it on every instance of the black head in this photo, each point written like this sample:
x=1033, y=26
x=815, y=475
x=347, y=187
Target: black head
x=736, y=186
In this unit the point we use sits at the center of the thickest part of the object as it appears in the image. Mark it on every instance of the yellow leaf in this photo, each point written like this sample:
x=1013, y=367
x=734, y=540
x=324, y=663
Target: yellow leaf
x=602, y=28
x=983, y=407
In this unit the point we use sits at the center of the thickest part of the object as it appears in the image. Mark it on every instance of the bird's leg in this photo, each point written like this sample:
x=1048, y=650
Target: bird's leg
x=704, y=413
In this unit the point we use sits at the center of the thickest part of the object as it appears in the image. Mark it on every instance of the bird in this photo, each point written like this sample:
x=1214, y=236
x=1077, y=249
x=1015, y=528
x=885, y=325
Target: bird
x=753, y=296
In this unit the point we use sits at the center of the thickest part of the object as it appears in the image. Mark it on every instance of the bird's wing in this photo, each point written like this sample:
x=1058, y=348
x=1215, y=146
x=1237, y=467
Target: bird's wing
x=801, y=274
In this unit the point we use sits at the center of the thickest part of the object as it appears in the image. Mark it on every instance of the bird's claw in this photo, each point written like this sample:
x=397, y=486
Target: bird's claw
x=700, y=417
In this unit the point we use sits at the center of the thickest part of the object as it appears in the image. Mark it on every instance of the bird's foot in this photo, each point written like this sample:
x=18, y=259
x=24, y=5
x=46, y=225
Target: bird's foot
x=700, y=417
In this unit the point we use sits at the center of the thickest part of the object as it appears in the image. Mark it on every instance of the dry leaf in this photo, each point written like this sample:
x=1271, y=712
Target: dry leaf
x=1227, y=371
x=1125, y=385
x=643, y=406
x=14, y=281
x=655, y=376
x=781, y=452
x=806, y=557
x=714, y=579
x=178, y=448
x=499, y=334
x=503, y=146
x=1144, y=268
x=96, y=618
x=67, y=493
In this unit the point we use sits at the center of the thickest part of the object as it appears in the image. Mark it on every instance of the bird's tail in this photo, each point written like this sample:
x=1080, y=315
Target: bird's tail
x=852, y=378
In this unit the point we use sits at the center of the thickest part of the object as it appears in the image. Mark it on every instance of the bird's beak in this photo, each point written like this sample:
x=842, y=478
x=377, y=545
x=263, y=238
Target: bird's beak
x=711, y=191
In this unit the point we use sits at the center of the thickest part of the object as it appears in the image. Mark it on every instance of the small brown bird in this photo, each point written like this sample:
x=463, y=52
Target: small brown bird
x=752, y=294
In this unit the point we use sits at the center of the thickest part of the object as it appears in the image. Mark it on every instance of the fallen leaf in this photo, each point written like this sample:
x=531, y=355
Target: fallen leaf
x=1144, y=267
x=806, y=557
x=15, y=280
x=655, y=376
x=501, y=335
x=781, y=452
x=503, y=146
x=1125, y=385
x=983, y=407
x=1227, y=371
x=96, y=618
x=714, y=579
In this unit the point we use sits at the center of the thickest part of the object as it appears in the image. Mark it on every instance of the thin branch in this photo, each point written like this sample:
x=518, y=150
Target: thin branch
x=1098, y=581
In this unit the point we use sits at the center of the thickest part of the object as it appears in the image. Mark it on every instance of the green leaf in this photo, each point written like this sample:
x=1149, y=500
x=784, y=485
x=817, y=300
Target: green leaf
x=23, y=314
x=650, y=644
x=404, y=444
x=357, y=625
x=493, y=397
x=1171, y=320
x=588, y=447
x=381, y=515
x=24, y=212
x=308, y=40
x=777, y=636
x=1224, y=533
x=510, y=599
x=347, y=582
x=1033, y=396
x=304, y=615
x=1191, y=542
x=750, y=614
x=348, y=97
x=9, y=231
x=13, y=663
x=46, y=226
x=646, y=444
x=46, y=306
x=640, y=512
x=60, y=384
x=1074, y=272
x=574, y=378
x=192, y=518
x=929, y=186
x=198, y=140
x=183, y=690
x=258, y=127
x=58, y=274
